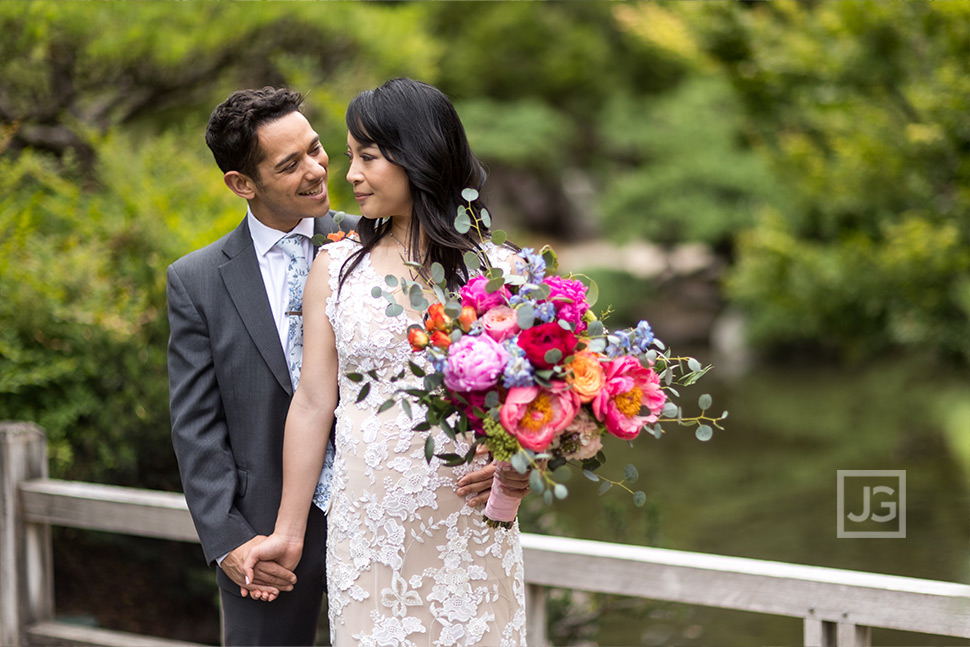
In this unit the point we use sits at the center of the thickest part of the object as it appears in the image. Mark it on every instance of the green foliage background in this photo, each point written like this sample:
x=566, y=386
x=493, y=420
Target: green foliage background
x=821, y=148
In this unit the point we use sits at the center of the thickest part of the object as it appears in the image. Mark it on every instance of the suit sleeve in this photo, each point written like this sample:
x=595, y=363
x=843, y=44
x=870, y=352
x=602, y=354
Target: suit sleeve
x=200, y=435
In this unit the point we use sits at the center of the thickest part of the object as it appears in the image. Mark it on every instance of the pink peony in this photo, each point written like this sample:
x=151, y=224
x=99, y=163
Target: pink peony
x=474, y=363
x=629, y=387
x=473, y=294
x=535, y=415
x=500, y=323
x=569, y=298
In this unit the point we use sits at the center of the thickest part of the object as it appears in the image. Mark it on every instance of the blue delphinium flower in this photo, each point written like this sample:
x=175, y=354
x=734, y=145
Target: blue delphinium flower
x=535, y=265
x=619, y=343
x=518, y=370
x=546, y=312
x=642, y=337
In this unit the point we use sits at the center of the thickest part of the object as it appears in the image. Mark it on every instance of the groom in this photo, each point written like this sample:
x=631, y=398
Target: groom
x=230, y=358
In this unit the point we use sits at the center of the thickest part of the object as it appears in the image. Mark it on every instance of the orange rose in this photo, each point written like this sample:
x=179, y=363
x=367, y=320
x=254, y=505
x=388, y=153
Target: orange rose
x=586, y=375
x=418, y=338
x=440, y=339
x=467, y=318
x=437, y=319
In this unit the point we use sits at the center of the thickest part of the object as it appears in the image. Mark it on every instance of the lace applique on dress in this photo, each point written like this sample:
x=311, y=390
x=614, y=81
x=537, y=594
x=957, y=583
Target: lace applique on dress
x=408, y=562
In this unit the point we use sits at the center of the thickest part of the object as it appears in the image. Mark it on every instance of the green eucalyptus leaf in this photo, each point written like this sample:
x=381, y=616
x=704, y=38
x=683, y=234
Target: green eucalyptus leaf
x=491, y=399
x=547, y=497
x=592, y=293
x=630, y=474
x=469, y=195
x=520, y=463
x=499, y=237
x=605, y=487
x=693, y=364
x=391, y=280
x=560, y=491
x=553, y=355
x=472, y=261
x=463, y=223
x=704, y=402
x=592, y=476
x=486, y=218
x=639, y=498
x=437, y=273
x=318, y=240
x=376, y=292
x=495, y=284
x=536, y=482
x=595, y=328
x=669, y=410
x=704, y=433
x=525, y=316
x=394, y=310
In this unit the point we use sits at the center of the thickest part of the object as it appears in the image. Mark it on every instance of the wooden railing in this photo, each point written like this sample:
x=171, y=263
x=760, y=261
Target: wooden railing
x=837, y=607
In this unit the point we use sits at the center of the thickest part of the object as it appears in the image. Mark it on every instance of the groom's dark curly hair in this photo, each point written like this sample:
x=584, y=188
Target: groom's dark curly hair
x=231, y=133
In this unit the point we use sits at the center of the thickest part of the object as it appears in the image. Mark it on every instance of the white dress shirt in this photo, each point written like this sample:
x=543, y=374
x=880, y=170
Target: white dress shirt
x=272, y=265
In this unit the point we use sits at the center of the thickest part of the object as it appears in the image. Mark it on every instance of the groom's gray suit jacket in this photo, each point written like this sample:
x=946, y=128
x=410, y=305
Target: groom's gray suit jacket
x=230, y=391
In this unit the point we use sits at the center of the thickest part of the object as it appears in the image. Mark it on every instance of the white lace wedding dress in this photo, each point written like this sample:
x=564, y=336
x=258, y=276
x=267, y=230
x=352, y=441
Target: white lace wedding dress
x=408, y=561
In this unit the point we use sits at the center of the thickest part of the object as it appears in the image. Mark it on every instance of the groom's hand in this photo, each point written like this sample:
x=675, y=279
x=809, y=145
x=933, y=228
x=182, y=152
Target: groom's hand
x=267, y=578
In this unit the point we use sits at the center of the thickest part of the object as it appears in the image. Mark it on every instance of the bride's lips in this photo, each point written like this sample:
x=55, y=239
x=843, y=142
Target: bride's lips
x=362, y=196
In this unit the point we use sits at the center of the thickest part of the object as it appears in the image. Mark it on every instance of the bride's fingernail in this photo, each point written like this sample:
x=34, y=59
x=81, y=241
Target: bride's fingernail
x=247, y=579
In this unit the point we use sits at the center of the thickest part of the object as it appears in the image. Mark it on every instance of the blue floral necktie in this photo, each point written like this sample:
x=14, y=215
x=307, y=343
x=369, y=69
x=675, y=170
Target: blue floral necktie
x=296, y=273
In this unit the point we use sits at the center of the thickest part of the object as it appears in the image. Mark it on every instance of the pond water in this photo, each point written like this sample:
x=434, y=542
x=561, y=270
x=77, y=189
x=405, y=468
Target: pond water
x=766, y=488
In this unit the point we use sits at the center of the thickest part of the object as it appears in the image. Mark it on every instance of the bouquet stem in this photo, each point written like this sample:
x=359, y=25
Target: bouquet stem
x=500, y=510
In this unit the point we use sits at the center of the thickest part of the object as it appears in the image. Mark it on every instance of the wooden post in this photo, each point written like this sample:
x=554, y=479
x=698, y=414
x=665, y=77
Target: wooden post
x=535, y=615
x=26, y=562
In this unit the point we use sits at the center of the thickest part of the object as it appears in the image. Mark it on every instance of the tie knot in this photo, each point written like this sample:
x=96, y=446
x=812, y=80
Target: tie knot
x=292, y=245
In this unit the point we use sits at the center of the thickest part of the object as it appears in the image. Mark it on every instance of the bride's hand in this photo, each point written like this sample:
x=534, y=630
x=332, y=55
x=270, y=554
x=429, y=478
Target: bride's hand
x=284, y=551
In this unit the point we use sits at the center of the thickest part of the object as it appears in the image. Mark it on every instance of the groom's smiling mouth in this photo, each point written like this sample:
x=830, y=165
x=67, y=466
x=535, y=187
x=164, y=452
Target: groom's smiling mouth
x=314, y=191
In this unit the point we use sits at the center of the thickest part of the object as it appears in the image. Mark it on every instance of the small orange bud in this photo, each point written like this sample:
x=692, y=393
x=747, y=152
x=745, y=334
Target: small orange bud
x=467, y=318
x=418, y=338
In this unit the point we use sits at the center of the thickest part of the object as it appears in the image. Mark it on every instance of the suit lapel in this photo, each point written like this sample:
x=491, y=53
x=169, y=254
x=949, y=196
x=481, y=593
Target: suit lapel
x=244, y=283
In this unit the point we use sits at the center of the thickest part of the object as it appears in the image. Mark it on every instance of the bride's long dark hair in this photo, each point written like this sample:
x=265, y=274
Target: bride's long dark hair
x=416, y=127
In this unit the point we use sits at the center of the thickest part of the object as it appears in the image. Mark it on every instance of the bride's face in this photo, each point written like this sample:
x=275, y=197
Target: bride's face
x=380, y=186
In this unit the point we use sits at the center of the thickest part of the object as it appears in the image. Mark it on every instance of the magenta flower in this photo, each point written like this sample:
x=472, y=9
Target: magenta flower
x=473, y=294
x=569, y=298
x=474, y=363
x=628, y=389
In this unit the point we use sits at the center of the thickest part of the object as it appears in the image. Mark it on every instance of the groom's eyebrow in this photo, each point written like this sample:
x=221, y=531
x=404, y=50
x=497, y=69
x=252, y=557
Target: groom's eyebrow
x=283, y=162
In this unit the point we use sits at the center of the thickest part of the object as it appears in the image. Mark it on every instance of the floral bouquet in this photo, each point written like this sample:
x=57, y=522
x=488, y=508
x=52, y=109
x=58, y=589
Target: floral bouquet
x=520, y=362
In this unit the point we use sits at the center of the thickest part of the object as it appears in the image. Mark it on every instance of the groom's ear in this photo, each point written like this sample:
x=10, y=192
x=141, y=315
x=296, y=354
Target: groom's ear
x=241, y=185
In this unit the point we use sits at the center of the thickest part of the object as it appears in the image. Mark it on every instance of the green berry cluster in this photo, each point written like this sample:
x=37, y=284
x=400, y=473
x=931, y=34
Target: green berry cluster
x=500, y=442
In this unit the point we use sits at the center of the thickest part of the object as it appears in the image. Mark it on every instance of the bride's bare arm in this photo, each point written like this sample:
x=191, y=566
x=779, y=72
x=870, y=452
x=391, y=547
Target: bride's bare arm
x=308, y=425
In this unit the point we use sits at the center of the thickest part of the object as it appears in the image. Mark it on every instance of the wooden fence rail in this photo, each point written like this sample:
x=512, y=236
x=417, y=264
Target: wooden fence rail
x=837, y=607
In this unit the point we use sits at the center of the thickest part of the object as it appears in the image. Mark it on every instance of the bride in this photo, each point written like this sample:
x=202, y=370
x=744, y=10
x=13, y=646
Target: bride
x=408, y=563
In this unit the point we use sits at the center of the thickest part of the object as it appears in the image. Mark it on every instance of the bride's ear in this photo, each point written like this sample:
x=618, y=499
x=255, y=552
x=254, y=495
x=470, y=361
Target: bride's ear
x=241, y=185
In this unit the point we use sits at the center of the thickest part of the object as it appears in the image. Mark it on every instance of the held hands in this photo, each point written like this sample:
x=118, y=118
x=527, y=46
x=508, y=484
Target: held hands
x=267, y=578
x=272, y=554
